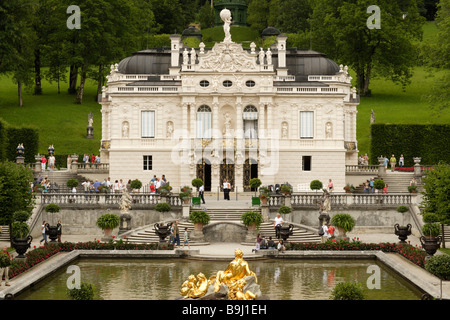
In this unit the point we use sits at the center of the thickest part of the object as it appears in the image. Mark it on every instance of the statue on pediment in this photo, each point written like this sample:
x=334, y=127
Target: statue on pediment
x=225, y=15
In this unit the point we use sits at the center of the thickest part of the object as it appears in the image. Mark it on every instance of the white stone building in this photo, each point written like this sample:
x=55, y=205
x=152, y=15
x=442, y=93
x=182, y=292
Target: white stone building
x=282, y=115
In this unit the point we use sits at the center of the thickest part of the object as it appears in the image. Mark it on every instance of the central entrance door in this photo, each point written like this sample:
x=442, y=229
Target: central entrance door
x=250, y=172
x=204, y=173
x=227, y=172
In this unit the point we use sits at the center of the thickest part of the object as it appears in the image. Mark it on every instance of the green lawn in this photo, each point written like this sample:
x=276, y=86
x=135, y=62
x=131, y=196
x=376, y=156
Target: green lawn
x=60, y=121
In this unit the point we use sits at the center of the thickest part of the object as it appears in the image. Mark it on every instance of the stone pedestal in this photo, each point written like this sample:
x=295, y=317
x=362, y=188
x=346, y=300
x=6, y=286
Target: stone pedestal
x=74, y=164
x=90, y=132
x=20, y=160
x=37, y=163
x=417, y=170
x=381, y=171
x=186, y=207
x=125, y=223
x=265, y=212
x=197, y=235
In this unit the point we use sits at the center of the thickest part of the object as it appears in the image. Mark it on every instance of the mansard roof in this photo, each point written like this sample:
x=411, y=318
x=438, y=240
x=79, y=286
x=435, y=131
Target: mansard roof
x=300, y=63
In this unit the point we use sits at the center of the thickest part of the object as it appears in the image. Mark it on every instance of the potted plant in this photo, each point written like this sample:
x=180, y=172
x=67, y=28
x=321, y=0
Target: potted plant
x=199, y=219
x=72, y=183
x=165, y=190
x=197, y=183
x=264, y=194
x=252, y=220
x=344, y=223
x=21, y=240
x=349, y=188
x=286, y=189
x=431, y=240
x=107, y=222
x=315, y=185
x=136, y=185
x=412, y=188
x=402, y=209
x=254, y=183
x=186, y=194
x=5, y=261
x=52, y=230
x=378, y=184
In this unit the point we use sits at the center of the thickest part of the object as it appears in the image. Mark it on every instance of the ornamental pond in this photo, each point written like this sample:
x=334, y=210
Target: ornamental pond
x=161, y=279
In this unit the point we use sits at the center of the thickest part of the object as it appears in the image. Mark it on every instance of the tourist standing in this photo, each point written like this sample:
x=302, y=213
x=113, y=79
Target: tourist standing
x=59, y=230
x=366, y=160
x=372, y=188
x=386, y=161
x=366, y=186
x=226, y=190
x=393, y=161
x=186, y=238
x=5, y=270
x=176, y=234
x=330, y=185
x=401, y=161
x=201, y=192
x=43, y=163
x=385, y=188
x=51, y=162
x=331, y=230
x=44, y=232
x=325, y=233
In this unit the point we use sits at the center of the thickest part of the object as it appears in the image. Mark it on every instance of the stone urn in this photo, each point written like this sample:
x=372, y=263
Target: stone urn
x=430, y=244
x=107, y=235
x=22, y=245
x=286, y=231
x=162, y=231
x=52, y=232
x=402, y=232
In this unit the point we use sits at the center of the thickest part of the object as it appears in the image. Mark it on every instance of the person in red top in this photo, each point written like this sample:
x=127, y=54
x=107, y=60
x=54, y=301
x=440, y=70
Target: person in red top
x=330, y=232
x=43, y=163
x=5, y=270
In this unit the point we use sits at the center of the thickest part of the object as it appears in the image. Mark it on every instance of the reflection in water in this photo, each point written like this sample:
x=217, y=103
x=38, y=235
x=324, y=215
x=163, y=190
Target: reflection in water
x=160, y=279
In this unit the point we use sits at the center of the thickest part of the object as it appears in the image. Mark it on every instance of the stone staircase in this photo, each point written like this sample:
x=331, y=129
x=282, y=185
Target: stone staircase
x=147, y=234
x=4, y=235
x=397, y=182
x=60, y=177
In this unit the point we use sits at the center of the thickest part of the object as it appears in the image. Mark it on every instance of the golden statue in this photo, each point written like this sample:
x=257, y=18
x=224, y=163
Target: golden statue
x=233, y=277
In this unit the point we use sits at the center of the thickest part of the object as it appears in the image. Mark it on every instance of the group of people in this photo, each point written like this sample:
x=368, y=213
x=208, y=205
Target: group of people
x=93, y=159
x=363, y=160
x=393, y=161
x=43, y=182
x=45, y=229
x=51, y=162
x=369, y=187
x=327, y=232
x=156, y=183
x=175, y=235
x=262, y=243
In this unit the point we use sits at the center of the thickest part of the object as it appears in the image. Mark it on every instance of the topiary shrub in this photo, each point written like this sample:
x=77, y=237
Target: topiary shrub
x=136, y=184
x=378, y=184
x=402, y=209
x=163, y=207
x=343, y=221
x=254, y=183
x=347, y=291
x=21, y=216
x=315, y=185
x=72, y=183
x=431, y=229
x=52, y=207
x=430, y=217
x=439, y=265
x=284, y=210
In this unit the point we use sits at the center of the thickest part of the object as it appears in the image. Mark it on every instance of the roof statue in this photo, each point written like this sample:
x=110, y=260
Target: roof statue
x=225, y=15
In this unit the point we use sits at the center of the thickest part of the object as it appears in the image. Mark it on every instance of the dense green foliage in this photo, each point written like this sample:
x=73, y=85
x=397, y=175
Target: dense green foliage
x=316, y=185
x=252, y=217
x=347, y=291
x=199, y=217
x=412, y=140
x=85, y=292
x=284, y=210
x=52, y=207
x=108, y=221
x=29, y=137
x=439, y=265
x=344, y=221
x=15, y=192
x=163, y=207
x=436, y=194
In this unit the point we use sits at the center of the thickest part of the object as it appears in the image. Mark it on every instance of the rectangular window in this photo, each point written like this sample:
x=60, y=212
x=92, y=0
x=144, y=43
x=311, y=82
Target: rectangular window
x=148, y=165
x=148, y=124
x=306, y=163
x=204, y=125
x=306, y=124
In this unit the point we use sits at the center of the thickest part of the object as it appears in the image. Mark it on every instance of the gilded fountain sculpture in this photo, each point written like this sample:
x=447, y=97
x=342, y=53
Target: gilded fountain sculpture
x=232, y=280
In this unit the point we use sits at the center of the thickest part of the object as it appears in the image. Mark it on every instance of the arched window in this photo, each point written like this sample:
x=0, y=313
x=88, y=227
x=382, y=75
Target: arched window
x=204, y=121
x=250, y=118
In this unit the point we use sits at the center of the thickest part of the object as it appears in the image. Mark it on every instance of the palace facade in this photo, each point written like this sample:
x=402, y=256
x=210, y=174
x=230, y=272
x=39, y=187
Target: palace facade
x=282, y=115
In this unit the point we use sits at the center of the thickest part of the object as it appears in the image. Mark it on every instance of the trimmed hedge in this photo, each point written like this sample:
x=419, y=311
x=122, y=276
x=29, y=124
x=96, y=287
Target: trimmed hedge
x=427, y=141
x=30, y=139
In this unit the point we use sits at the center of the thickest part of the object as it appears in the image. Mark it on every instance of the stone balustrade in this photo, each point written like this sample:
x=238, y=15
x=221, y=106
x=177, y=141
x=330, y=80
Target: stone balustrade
x=92, y=167
x=356, y=169
x=343, y=199
x=107, y=199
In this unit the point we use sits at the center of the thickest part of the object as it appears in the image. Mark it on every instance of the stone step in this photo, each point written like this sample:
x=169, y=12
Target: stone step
x=4, y=235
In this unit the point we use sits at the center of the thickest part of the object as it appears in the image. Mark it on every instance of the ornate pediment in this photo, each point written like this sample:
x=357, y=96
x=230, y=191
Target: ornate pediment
x=227, y=57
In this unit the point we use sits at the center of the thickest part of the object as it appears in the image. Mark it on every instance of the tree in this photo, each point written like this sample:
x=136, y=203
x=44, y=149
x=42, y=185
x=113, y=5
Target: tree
x=17, y=42
x=15, y=190
x=340, y=29
x=258, y=14
x=206, y=16
x=436, y=194
x=291, y=15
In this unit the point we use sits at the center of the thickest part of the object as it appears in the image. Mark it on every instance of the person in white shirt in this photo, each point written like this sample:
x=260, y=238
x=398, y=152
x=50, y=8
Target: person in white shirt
x=226, y=190
x=278, y=223
x=201, y=192
x=325, y=233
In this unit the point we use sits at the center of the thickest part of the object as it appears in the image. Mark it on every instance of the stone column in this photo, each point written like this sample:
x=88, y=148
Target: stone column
x=417, y=170
x=381, y=172
x=186, y=210
x=265, y=211
x=74, y=166
x=20, y=160
x=37, y=164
